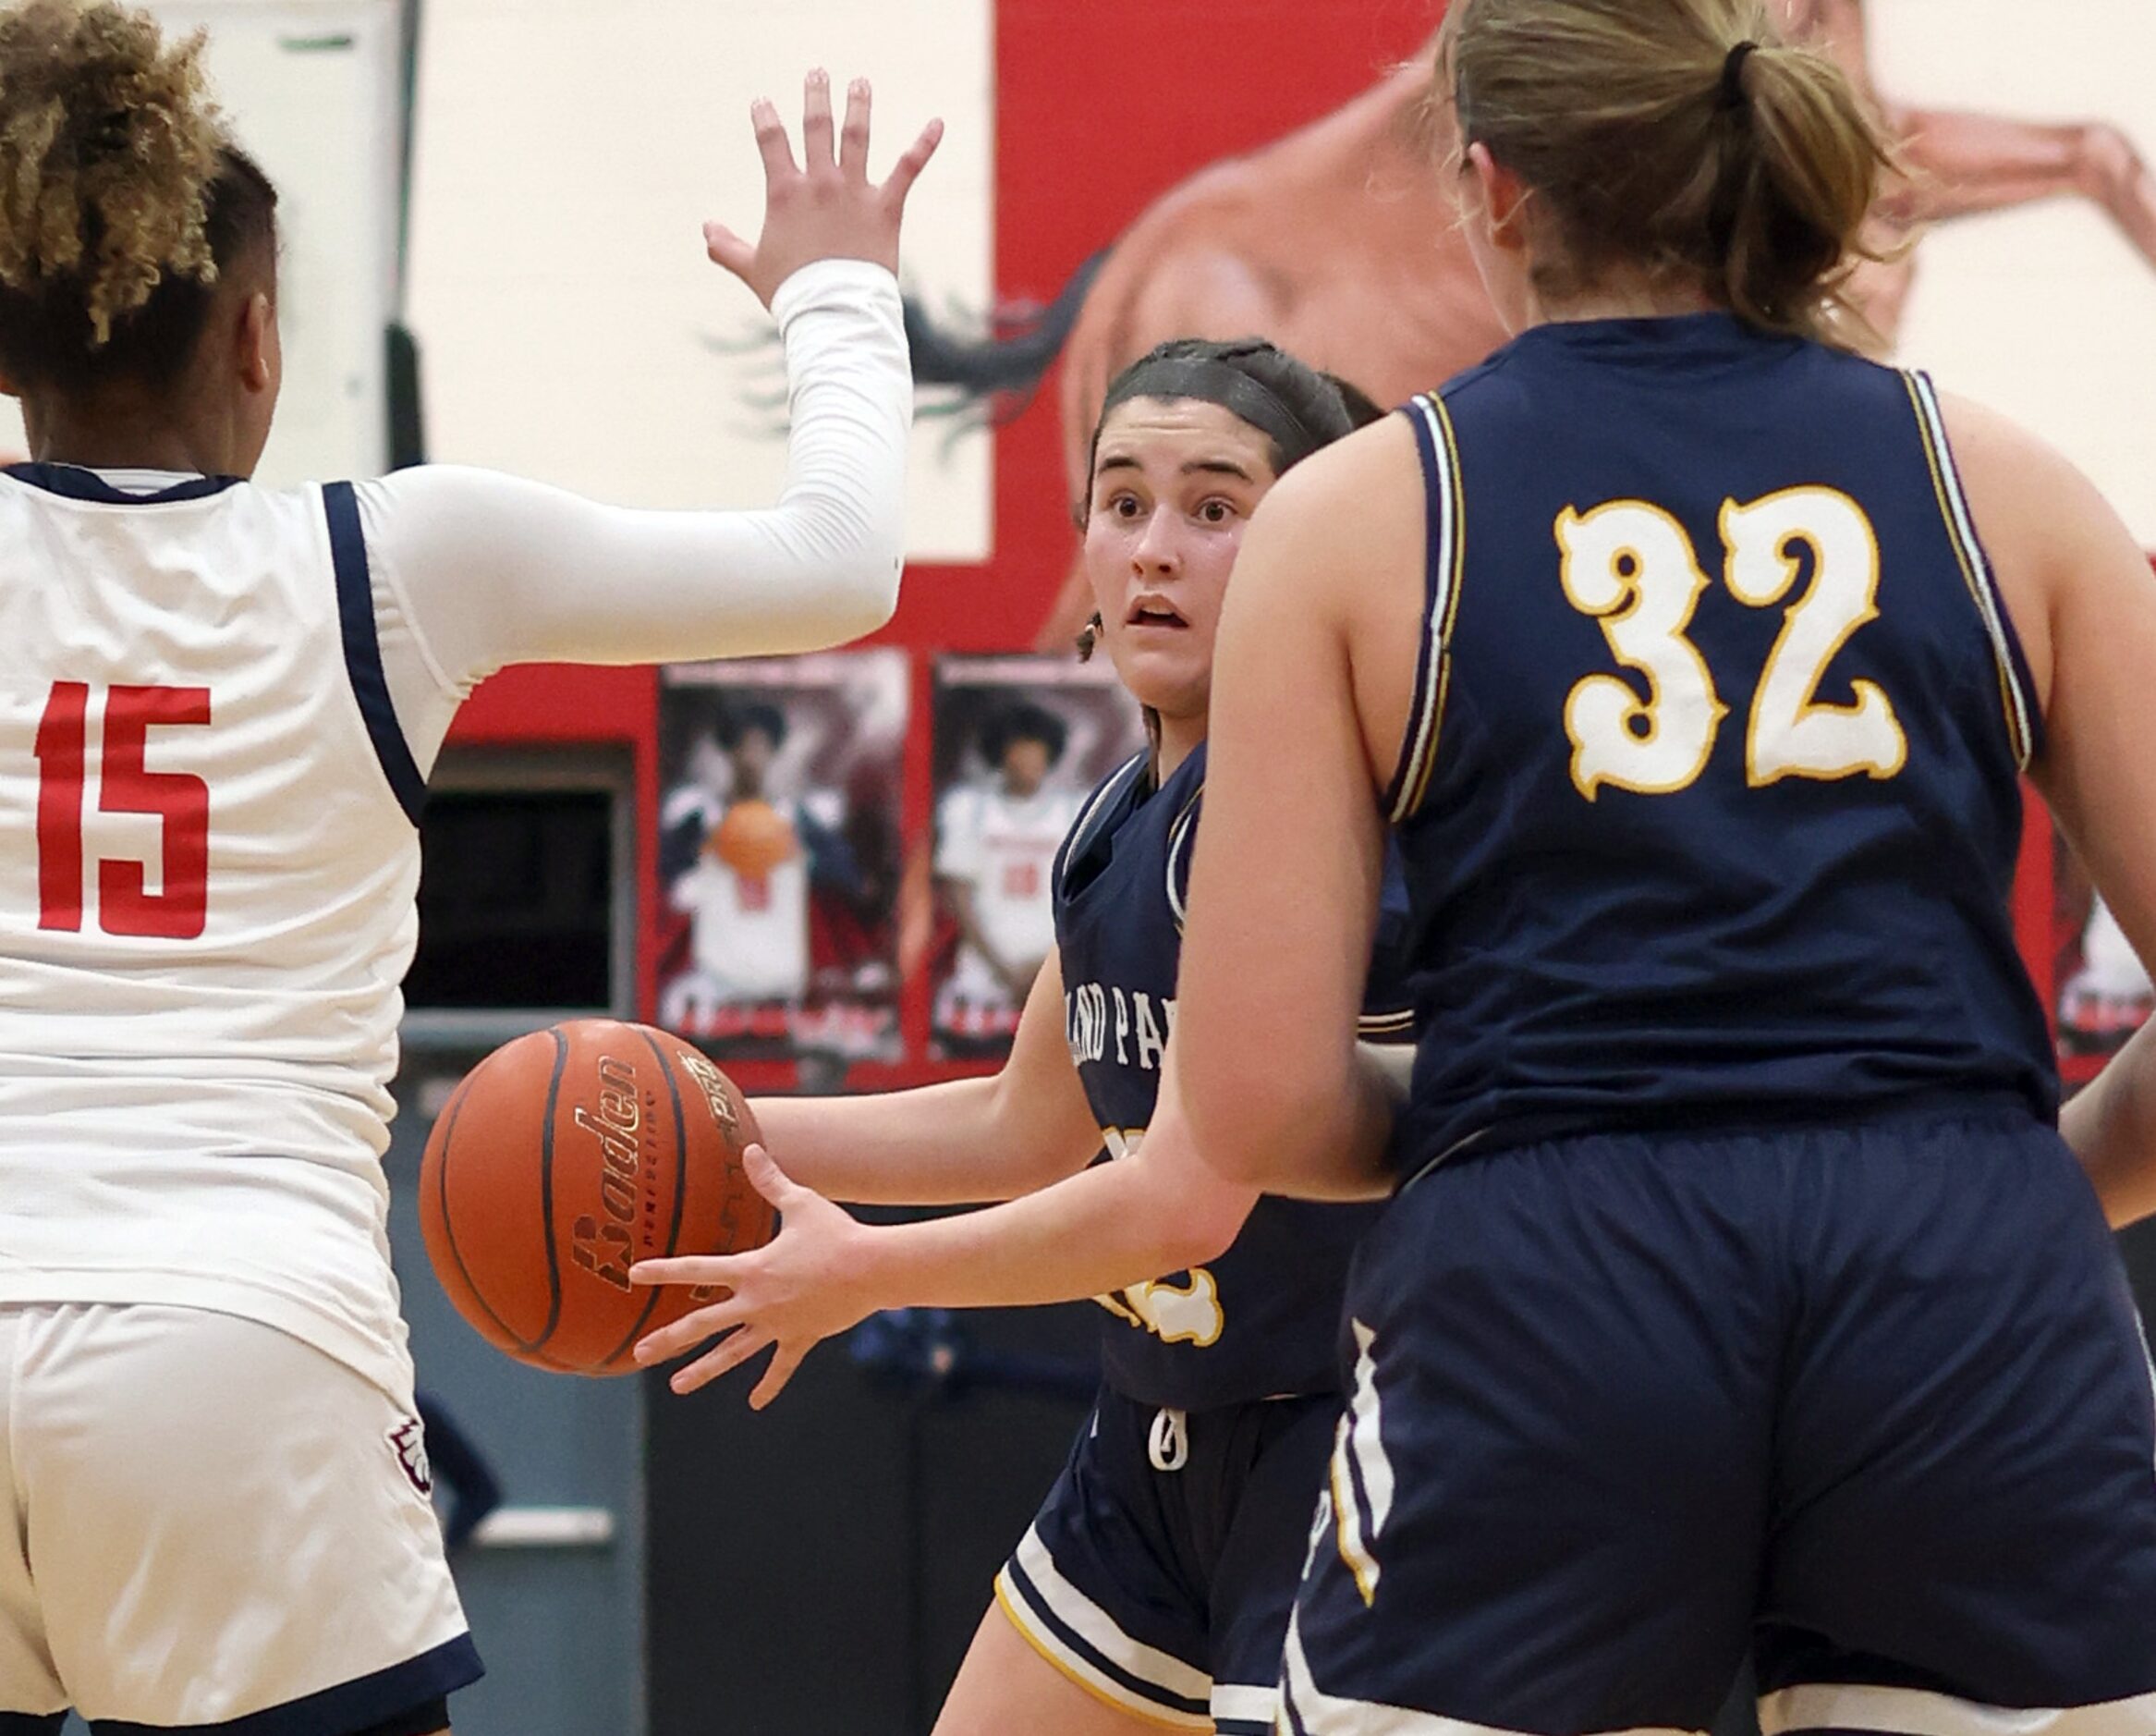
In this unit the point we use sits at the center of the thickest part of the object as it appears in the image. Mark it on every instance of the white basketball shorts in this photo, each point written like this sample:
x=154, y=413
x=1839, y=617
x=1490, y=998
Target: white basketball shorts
x=204, y=1520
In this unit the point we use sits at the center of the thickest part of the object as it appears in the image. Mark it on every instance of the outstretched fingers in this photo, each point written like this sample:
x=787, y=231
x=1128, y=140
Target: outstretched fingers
x=816, y=121
x=723, y=1359
x=729, y=1269
x=775, y=1377
x=724, y=247
x=906, y=170
x=772, y=143
x=853, y=139
x=764, y=1175
x=685, y=1334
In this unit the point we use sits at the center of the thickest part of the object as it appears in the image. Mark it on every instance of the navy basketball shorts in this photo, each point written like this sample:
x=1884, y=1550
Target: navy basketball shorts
x=1159, y=1573
x=1872, y=1401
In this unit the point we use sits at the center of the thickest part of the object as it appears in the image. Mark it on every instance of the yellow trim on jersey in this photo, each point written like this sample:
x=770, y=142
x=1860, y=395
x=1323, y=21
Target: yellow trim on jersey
x=1113, y=1694
x=1426, y=707
x=1348, y=1525
x=1975, y=573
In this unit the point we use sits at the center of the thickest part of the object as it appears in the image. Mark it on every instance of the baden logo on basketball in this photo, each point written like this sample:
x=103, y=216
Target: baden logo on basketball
x=605, y=1248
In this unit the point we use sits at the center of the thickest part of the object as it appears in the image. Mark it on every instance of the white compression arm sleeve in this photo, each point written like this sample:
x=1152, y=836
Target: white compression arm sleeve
x=473, y=570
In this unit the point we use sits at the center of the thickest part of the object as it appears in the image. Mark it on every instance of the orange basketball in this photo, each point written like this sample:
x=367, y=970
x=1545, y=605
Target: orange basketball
x=753, y=838
x=564, y=1159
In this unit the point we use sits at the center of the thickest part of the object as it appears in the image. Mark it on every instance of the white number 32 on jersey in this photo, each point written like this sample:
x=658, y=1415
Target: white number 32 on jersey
x=1633, y=568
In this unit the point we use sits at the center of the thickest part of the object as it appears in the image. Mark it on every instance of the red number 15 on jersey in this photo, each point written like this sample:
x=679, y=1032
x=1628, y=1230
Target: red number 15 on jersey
x=125, y=903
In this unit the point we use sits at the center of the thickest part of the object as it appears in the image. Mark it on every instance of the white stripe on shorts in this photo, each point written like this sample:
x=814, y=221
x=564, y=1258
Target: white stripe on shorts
x=1305, y=1710
x=1254, y=1706
x=1097, y=1629
x=1912, y=1712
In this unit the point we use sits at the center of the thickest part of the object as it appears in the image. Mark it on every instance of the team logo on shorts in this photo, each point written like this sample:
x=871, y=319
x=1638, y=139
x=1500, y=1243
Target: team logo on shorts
x=409, y=1440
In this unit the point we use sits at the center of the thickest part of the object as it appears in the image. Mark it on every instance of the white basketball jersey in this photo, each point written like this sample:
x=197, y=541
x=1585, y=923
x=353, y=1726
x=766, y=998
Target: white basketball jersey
x=749, y=933
x=207, y=887
x=1004, y=845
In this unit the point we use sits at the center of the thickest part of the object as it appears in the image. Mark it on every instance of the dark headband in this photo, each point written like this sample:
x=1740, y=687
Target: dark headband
x=1211, y=380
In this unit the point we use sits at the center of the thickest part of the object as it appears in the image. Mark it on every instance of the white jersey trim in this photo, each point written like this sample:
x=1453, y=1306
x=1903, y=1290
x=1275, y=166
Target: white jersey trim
x=1179, y=835
x=1100, y=1641
x=1237, y=1710
x=1976, y=568
x=1444, y=556
x=1306, y=1710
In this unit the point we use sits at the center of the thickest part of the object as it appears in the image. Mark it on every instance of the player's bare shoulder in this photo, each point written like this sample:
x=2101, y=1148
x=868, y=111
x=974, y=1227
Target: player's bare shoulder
x=2044, y=525
x=1341, y=519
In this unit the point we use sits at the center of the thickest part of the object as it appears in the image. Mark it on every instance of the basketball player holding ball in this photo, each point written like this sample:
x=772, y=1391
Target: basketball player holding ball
x=1153, y=1587
x=218, y=703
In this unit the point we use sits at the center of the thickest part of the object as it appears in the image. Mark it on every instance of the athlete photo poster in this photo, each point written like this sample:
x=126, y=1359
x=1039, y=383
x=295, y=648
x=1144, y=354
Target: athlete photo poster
x=779, y=855
x=1018, y=742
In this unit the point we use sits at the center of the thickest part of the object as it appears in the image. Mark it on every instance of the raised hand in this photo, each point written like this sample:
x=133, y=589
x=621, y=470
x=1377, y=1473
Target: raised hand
x=824, y=207
x=794, y=1292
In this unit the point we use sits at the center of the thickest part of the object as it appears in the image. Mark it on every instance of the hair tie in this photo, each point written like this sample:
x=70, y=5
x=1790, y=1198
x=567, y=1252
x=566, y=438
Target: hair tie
x=1732, y=90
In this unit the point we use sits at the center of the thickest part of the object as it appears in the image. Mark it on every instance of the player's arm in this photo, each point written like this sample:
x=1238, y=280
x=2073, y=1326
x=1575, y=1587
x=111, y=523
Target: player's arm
x=482, y=570
x=2084, y=601
x=1156, y=1211
x=951, y=1144
x=1274, y=962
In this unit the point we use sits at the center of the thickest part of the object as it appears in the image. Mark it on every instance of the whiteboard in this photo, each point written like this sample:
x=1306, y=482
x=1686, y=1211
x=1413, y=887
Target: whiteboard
x=311, y=89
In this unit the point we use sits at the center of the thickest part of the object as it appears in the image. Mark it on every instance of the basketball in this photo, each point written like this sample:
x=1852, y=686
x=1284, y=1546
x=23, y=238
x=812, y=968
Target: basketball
x=753, y=838
x=561, y=1161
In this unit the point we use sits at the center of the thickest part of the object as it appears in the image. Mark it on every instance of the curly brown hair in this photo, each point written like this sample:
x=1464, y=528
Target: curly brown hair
x=121, y=194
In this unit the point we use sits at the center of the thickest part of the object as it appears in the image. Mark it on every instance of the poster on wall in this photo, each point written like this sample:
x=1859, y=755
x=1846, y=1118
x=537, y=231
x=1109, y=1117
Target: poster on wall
x=2104, y=994
x=1019, y=743
x=779, y=855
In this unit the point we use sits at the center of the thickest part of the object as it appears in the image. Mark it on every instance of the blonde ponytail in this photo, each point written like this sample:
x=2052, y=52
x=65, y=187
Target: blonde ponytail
x=1684, y=138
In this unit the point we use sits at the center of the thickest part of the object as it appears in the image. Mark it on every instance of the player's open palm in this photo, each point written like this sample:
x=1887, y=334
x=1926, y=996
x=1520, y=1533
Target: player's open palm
x=824, y=206
x=794, y=1292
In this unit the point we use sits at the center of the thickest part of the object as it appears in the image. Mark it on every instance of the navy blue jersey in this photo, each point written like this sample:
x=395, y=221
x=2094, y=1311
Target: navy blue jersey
x=1263, y=1319
x=1709, y=802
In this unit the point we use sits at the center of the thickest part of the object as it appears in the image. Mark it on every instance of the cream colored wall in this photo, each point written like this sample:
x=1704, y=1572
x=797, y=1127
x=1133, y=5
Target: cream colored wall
x=2044, y=312
x=567, y=152
x=311, y=89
